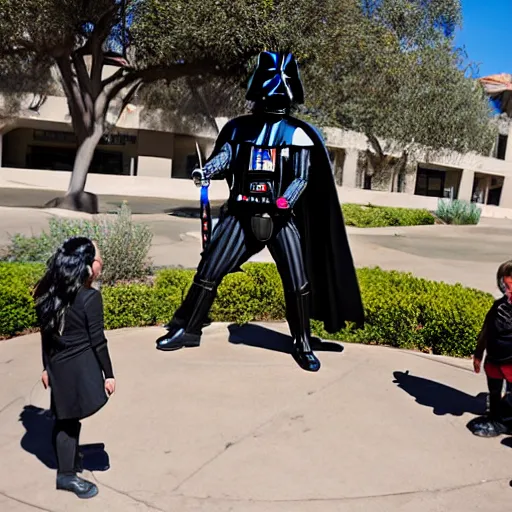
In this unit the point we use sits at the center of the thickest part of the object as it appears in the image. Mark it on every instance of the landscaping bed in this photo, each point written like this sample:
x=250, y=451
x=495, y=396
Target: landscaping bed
x=401, y=310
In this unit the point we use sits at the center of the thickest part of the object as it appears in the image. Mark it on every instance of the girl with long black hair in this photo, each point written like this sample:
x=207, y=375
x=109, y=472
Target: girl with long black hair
x=76, y=361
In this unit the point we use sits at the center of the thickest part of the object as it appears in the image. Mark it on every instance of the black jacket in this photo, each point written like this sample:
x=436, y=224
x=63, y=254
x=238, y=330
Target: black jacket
x=78, y=361
x=496, y=335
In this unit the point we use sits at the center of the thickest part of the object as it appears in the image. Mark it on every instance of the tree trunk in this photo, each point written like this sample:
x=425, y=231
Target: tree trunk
x=83, y=159
x=396, y=168
x=76, y=199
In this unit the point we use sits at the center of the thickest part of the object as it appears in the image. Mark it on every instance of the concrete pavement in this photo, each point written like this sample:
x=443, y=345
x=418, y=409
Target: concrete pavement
x=466, y=254
x=233, y=426
x=37, y=198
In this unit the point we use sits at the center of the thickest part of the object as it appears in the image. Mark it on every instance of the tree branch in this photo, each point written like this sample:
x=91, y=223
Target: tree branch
x=19, y=44
x=96, y=70
x=152, y=74
x=76, y=106
x=374, y=142
x=83, y=80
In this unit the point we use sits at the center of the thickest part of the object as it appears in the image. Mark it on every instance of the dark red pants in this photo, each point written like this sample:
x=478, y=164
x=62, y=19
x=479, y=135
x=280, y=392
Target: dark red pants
x=498, y=371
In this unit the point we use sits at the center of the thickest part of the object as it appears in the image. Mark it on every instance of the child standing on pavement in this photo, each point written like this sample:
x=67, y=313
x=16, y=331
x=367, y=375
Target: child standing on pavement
x=76, y=360
x=495, y=338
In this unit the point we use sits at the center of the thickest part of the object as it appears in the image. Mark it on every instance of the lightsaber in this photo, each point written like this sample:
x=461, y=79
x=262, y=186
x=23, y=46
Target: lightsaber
x=205, y=211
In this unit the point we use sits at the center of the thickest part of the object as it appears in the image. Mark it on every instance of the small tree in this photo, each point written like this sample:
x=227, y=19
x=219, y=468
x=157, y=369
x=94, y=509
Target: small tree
x=148, y=41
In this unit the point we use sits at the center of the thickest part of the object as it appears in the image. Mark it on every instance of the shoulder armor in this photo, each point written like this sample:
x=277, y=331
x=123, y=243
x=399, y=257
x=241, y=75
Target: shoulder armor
x=300, y=138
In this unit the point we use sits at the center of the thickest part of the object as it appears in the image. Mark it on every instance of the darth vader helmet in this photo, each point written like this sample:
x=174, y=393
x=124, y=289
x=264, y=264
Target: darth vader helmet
x=276, y=81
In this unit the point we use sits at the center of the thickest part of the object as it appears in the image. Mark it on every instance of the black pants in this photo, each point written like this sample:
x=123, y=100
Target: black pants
x=65, y=440
x=232, y=244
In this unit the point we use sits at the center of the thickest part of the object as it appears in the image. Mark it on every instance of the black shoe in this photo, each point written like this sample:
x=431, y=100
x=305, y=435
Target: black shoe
x=176, y=339
x=487, y=427
x=306, y=360
x=72, y=483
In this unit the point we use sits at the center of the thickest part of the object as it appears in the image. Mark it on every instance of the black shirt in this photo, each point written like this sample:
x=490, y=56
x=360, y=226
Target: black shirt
x=499, y=331
x=83, y=328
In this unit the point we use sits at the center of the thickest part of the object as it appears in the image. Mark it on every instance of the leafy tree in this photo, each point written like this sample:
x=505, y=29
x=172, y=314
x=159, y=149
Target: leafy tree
x=24, y=86
x=148, y=40
x=403, y=85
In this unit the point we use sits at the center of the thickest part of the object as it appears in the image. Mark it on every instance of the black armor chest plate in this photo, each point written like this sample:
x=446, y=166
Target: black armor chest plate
x=262, y=173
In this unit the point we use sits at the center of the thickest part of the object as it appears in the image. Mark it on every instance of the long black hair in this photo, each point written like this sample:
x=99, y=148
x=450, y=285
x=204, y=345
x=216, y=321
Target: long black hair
x=67, y=271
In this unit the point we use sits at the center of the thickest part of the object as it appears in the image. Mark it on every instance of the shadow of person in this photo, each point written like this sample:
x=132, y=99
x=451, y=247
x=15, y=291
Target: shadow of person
x=441, y=398
x=261, y=337
x=37, y=440
x=507, y=442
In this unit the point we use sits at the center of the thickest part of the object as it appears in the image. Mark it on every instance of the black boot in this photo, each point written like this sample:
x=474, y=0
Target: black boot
x=72, y=483
x=185, y=329
x=79, y=462
x=297, y=313
x=79, y=456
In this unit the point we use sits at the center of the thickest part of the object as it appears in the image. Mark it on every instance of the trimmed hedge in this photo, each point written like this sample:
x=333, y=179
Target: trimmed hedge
x=371, y=216
x=401, y=310
x=16, y=305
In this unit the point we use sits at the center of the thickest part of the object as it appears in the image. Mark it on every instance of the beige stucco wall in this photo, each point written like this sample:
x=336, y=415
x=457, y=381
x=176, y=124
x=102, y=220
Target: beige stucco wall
x=155, y=154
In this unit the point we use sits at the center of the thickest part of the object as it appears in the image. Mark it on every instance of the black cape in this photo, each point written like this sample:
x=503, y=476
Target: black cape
x=335, y=294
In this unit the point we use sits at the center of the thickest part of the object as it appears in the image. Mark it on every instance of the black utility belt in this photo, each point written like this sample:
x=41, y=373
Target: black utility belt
x=255, y=199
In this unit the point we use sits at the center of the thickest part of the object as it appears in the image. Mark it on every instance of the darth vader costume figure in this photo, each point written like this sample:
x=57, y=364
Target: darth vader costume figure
x=283, y=196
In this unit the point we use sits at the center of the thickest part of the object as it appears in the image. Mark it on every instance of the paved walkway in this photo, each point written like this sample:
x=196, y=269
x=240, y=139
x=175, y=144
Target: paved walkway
x=232, y=426
x=466, y=254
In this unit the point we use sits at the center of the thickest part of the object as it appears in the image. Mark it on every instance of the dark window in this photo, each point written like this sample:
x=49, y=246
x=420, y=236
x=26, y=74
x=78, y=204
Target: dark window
x=192, y=163
x=367, y=182
x=502, y=147
x=430, y=183
x=494, y=196
x=62, y=159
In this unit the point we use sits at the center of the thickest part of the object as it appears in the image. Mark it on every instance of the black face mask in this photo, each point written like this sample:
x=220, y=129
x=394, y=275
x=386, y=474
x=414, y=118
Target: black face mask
x=275, y=84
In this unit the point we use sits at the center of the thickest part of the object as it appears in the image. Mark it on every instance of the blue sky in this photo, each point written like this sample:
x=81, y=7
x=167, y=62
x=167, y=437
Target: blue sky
x=485, y=34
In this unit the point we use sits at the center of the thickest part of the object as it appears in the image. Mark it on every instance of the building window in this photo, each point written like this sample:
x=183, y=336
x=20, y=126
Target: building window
x=501, y=149
x=367, y=185
x=192, y=164
x=430, y=183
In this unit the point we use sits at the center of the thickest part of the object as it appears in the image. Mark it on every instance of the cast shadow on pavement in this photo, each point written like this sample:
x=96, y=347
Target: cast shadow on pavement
x=37, y=440
x=441, y=398
x=260, y=337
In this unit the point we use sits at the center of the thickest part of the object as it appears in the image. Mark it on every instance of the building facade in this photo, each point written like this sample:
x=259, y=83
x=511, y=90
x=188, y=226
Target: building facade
x=143, y=145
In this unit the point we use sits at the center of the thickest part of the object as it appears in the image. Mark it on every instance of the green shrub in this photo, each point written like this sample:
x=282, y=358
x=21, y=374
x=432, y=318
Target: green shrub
x=123, y=244
x=17, y=311
x=129, y=305
x=17, y=281
x=28, y=273
x=171, y=286
x=456, y=211
x=371, y=216
x=401, y=310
